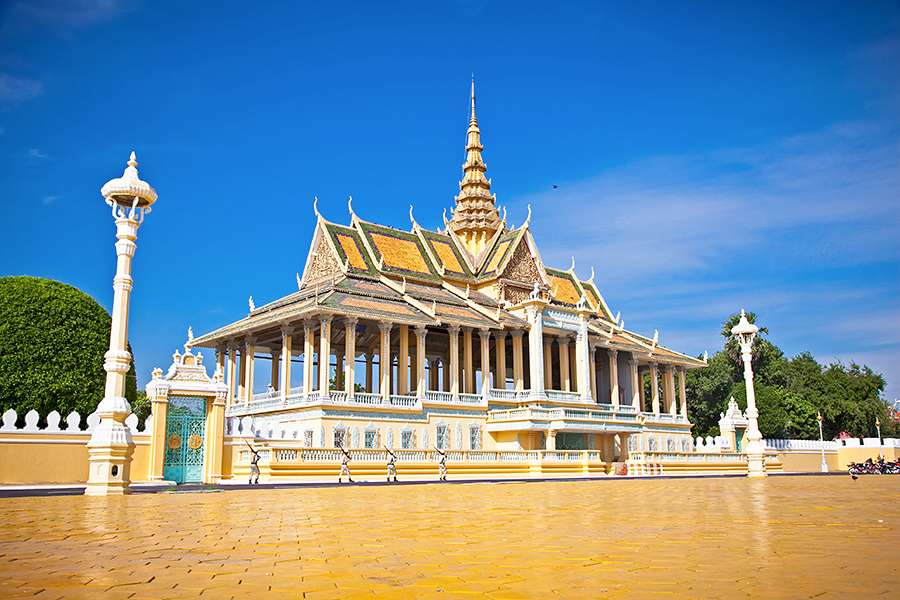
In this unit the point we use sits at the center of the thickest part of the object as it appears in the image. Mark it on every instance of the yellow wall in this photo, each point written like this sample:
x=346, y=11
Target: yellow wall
x=47, y=458
x=811, y=461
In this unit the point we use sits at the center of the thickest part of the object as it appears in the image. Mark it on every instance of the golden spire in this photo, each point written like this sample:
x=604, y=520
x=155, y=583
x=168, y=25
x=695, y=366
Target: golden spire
x=475, y=218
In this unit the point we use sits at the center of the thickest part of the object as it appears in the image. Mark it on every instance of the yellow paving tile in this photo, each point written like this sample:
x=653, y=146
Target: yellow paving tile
x=786, y=537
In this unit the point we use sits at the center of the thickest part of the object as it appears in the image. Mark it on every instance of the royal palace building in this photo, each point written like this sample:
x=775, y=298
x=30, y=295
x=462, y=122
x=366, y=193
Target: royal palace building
x=460, y=338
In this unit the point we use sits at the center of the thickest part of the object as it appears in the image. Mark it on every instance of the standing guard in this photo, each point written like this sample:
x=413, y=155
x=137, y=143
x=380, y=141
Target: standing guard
x=442, y=464
x=391, y=467
x=254, y=465
x=345, y=466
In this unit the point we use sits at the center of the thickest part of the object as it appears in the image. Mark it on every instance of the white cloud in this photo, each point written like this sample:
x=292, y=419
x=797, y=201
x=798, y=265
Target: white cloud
x=36, y=153
x=786, y=229
x=16, y=90
x=50, y=199
x=71, y=14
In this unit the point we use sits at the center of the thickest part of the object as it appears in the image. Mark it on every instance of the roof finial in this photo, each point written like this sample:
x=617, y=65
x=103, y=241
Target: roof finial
x=132, y=160
x=316, y=207
x=572, y=266
x=472, y=117
x=299, y=282
x=591, y=278
x=412, y=219
x=350, y=206
x=528, y=218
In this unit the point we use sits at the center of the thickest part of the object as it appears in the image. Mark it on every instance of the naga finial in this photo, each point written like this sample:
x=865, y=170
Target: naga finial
x=299, y=282
x=527, y=218
x=251, y=303
x=316, y=207
x=350, y=207
x=412, y=219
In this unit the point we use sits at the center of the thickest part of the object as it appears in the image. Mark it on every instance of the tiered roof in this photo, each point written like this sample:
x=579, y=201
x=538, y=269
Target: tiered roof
x=424, y=277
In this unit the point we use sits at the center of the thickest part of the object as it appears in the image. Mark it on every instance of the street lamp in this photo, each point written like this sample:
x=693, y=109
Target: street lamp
x=110, y=446
x=745, y=332
x=824, y=465
x=878, y=428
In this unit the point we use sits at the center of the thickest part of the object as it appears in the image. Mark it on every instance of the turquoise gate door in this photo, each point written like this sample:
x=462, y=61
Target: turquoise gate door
x=185, y=427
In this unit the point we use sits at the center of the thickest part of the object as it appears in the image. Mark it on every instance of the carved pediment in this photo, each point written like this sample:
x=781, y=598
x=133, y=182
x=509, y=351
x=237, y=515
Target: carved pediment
x=522, y=267
x=323, y=261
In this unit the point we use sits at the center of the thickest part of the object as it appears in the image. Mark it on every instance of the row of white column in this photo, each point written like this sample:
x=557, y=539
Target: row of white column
x=455, y=378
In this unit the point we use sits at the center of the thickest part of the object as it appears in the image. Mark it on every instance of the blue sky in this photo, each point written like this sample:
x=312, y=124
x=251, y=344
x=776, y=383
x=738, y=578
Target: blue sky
x=707, y=157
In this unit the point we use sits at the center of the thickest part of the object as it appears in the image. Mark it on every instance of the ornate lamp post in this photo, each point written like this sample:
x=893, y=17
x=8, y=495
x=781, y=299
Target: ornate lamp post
x=745, y=332
x=110, y=447
x=878, y=429
x=824, y=465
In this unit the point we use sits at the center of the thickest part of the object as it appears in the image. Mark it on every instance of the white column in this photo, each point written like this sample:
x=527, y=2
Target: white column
x=500, y=358
x=286, y=343
x=485, y=337
x=583, y=360
x=548, y=363
x=421, y=382
x=403, y=362
x=250, y=350
x=671, y=403
x=384, y=360
x=468, y=367
x=593, y=372
x=231, y=370
x=654, y=387
x=565, y=372
x=453, y=331
x=275, y=368
x=350, y=350
x=635, y=385
x=682, y=393
x=613, y=376
x=518, y=361
x=324, y=355
x=309, y=347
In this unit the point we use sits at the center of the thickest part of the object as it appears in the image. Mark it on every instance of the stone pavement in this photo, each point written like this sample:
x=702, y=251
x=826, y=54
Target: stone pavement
x=784, y=537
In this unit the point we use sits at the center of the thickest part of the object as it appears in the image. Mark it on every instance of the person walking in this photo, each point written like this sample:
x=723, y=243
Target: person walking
x=345, y=466
x=391, y=466
x=254, y=465
x=442, y=464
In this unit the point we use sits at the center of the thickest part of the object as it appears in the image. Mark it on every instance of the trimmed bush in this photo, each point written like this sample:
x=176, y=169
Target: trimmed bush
x=52, y=341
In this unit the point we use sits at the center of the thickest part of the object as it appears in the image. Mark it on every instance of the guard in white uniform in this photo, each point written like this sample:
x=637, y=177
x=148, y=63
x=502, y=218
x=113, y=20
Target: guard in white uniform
x=345, y=466
x=442, y=464
x=391, y=467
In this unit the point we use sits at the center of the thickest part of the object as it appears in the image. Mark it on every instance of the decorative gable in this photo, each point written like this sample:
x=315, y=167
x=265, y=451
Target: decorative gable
x=322, y=262
x=522, y=267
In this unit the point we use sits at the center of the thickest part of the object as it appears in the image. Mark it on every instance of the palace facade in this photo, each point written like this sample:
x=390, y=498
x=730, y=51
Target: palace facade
x=460, y=338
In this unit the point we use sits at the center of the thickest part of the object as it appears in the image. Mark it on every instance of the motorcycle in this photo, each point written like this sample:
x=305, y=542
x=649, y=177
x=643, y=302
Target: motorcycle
x=870, y=467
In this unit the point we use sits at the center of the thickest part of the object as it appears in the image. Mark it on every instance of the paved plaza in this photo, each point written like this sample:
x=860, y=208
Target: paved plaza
x=784, y=537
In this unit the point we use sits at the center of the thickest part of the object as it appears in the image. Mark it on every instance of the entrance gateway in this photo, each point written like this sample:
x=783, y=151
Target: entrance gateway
x=185, y=427
x=188, y=426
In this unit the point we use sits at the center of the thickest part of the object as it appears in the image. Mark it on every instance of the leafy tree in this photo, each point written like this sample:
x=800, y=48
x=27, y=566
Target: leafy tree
x=789, y=392
x=53, y=338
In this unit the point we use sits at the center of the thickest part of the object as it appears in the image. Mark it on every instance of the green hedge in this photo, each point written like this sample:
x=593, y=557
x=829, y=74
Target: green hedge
x=52, y=341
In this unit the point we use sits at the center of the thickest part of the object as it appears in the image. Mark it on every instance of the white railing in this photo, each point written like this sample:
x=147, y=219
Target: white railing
x=297, y=455
x=473, y=399
x=783, y=444
x=317, y=398
x=561, y=396
x=436, y=396
x=406, y=401
x=73, y=423
x=539, y=413
x=686, y=457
